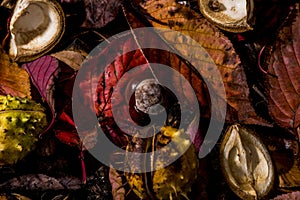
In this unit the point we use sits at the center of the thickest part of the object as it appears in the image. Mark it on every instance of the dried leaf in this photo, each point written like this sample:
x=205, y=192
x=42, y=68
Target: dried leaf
x=43, y=72
x=171, y=15
x=71, y=58
x=115, y=179
x=100, y=12
x=104, y=85
x=246, y=163
x=283, y=84
x=41, y=182
x=13, y=79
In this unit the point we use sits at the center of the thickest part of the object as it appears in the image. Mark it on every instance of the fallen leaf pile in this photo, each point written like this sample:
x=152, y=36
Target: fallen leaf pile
x=45, y=153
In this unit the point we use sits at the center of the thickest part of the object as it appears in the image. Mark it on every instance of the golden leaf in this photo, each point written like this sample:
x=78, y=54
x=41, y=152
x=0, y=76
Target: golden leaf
x=13, y=79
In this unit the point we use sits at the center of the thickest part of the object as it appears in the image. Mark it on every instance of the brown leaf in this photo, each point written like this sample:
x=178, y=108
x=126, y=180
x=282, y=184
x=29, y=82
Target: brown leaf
x=13, y=79
x=71, y=58
x=284, y=84
x=115, y=179
x=171, y=15
x=100, y=12
x=41, y=182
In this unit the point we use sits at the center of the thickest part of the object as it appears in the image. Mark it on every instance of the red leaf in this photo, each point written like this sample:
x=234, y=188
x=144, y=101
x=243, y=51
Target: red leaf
x=284, y=85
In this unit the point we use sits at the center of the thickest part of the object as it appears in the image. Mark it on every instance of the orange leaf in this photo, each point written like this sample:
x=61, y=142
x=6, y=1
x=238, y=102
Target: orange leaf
x=13, y=79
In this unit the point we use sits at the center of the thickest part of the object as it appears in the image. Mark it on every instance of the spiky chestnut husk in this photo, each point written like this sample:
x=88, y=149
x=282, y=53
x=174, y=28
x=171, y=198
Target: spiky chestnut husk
x=173, y=181
x=21, y=120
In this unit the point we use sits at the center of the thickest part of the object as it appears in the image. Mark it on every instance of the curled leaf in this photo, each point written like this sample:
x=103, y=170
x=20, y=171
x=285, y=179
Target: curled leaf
x=13, y=79
x=246, y=163
x=283, y=81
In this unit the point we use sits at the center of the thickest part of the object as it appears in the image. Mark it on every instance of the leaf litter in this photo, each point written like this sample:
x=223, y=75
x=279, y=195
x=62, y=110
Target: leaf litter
x=52, y=77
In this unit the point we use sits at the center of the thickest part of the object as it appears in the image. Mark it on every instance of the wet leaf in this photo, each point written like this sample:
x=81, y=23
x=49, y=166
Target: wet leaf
x=283, y=81
x=43, y=72
x=100, y=12
x=115, y=179
x=246, y=163
x=171, y=15
x=13, y=79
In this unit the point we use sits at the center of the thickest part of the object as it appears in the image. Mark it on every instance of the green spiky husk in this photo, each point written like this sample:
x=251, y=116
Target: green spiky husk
x=21, y=120
x=174, y=180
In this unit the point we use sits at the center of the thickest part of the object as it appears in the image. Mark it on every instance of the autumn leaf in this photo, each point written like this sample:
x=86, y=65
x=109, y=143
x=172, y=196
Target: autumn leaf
x=42, y=182
x=43, y=72
x=95, y=92
x=174, y=16
x=71, y=58
x=13, y=79
x=115, y=179
x=283, y=81
x=100, y=12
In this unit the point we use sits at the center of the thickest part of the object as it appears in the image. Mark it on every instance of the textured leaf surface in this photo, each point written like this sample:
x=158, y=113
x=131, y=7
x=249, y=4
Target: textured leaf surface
x=100, y=12
x=43, y=72
x=71, y=58
x=169, y=14
x=96, y=91
x=13, y=79
x=284, y=87
x=115, y=179
x=41, y=182
x=110, y=78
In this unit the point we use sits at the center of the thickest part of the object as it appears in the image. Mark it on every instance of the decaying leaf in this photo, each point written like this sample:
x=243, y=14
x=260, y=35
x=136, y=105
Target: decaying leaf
x=171, y=15
x=43, y=72
x=115, y=179
x=13, y=196
x=42, y=182
x=171, y=182
x=16, y=83
x=100, y=12
x=284, y=151
x=246, y=163
x=283, y=81
x=36, y=26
